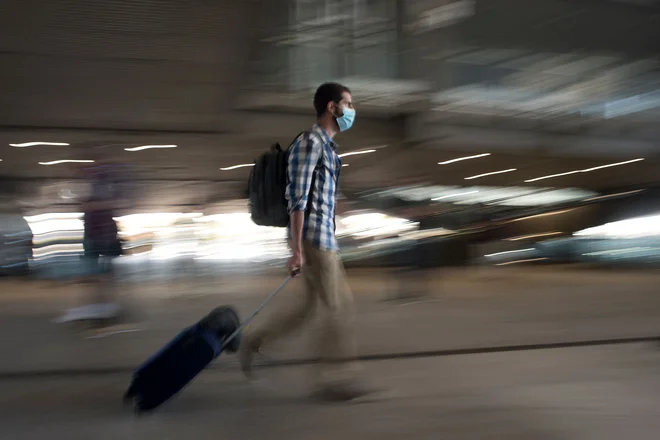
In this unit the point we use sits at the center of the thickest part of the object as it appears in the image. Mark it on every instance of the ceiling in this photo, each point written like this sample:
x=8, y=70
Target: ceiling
x=546, y=86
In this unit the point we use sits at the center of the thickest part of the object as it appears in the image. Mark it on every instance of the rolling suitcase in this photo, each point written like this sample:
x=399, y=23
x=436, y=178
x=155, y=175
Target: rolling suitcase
x=169, y=370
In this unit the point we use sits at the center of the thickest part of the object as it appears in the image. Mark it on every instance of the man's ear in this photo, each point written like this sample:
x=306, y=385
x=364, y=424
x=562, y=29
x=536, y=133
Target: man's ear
x=331, y=107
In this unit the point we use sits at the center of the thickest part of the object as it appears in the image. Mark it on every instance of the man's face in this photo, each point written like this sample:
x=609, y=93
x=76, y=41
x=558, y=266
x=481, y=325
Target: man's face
x=346, y=102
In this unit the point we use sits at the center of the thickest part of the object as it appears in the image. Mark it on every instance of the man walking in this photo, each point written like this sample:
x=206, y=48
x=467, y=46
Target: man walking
x=313, y=171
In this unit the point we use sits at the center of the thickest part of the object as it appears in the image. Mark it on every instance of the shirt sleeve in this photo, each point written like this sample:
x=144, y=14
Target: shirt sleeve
x=303, y=158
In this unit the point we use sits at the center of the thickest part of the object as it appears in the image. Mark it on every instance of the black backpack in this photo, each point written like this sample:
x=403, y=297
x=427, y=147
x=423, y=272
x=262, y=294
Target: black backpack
x=267, y=187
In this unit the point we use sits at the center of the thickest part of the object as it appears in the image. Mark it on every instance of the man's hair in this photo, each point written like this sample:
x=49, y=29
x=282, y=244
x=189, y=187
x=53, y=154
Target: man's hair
x=328, y=92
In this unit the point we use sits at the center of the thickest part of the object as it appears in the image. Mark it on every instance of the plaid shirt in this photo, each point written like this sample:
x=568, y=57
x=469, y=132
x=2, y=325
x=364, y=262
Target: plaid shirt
x=313, y=160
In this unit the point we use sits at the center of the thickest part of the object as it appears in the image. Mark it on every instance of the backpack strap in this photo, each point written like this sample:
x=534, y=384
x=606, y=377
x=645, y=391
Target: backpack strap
x=316, y=168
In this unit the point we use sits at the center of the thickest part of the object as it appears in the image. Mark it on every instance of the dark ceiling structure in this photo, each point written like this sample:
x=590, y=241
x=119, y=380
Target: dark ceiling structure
x=545, y=86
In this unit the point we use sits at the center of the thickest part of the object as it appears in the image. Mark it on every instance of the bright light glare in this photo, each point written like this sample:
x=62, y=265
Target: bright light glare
x=57, y=249
x=55, y=222
x=57, y=162
x=632, y=228
x=134, y=224
x=243, y=165
x=161, y=217
x=149, y=147
x=53, y=216
x=585, y=170
x=455, y=195
x=490, y=174
x=502, y=196
x=353, y=153
x=221, y=237
x=458, y=159
x=34, y=144
x=373, y=225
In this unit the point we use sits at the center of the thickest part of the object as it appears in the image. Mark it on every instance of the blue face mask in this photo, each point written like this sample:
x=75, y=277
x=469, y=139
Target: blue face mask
x=346, y=121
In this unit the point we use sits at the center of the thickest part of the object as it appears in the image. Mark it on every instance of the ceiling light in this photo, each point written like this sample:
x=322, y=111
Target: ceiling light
x=545, y=214
x=490, y=174
x=517, y=251
x=57, y=162
x=149, y=147
x=455, y=195
x=585, y=170
x=530, y=236
x=34, y=144
x=345, y=165
x=553, y=175
x=243, y=165
x=612, y=165
x=521, y=261
x=353, y=153
x=458, y=159
x=608, y=196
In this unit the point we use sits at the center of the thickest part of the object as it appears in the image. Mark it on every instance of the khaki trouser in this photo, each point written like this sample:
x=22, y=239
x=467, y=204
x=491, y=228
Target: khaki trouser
x=327, y=292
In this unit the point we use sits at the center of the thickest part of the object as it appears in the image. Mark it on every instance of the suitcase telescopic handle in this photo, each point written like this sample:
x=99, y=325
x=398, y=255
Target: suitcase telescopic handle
x=259, y=309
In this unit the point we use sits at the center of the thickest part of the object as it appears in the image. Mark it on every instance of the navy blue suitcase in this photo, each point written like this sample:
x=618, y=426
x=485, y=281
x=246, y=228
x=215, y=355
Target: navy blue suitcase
x=183, y=358
x=169, y=370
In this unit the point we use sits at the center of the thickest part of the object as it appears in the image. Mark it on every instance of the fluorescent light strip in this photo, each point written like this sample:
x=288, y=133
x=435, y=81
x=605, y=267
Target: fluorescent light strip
x=34, y=144
x=345, y=165
x=454, y=195
x=458, y=159
x=57, y=162
x=545, y=214
x=585, y=170
x=608, y=196
x=552, y=175
x=149, y=147
x=527, y=237
x=353, y=153
x=243, y=165
x=509, y=252
x=490, y=174
x=612, y=165
x=521, y=261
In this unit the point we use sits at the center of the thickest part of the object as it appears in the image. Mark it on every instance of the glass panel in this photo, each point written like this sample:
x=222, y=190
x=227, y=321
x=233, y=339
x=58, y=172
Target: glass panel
x=336, y=38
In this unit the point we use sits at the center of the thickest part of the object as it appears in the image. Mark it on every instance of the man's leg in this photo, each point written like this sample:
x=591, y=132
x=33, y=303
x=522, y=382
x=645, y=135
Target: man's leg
x=336, y=375
x=285, y=323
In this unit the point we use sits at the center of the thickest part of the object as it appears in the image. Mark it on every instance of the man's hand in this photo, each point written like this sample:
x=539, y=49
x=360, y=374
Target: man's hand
x=296, y=263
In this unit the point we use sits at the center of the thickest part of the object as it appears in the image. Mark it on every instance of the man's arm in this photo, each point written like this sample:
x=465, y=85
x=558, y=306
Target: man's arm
x=303, y=158
x=297, y=219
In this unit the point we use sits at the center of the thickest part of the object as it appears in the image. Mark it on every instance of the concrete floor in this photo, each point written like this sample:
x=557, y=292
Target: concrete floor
x=577, y=393
x=462, y=310
x=582, y=394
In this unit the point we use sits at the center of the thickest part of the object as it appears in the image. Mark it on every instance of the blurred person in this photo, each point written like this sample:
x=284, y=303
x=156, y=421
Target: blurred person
x=313, y=170
x=101, y=244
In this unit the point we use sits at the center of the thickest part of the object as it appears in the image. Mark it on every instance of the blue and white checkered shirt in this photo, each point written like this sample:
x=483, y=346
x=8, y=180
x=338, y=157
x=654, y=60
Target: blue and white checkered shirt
x=313, y=160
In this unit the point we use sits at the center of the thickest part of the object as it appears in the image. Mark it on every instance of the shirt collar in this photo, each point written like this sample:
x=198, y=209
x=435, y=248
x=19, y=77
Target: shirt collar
x=326, y=139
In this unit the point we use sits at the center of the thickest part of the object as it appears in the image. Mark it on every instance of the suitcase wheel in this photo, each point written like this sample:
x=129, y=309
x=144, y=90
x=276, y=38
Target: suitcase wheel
x=129, y=395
